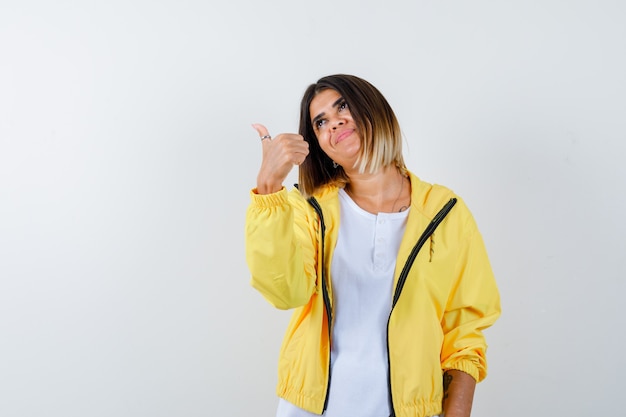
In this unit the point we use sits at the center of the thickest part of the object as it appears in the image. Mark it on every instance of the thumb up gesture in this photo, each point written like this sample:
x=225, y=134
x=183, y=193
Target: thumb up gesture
x=280, y=154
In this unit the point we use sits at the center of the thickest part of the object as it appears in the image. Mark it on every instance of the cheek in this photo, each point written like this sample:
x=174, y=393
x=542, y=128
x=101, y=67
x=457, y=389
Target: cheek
x=322, y=139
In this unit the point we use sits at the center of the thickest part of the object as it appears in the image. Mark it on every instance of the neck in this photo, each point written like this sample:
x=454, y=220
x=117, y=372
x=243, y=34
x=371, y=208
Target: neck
x=384, y=191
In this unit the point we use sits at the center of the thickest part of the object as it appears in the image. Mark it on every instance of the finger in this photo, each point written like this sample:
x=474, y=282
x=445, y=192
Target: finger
x=262, y=131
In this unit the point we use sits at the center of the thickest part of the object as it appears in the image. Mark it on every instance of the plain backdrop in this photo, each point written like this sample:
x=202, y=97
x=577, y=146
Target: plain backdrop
x=127, y=156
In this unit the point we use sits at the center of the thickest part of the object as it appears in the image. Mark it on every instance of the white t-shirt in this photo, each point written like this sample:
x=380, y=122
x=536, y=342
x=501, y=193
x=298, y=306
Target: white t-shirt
x=362, y=273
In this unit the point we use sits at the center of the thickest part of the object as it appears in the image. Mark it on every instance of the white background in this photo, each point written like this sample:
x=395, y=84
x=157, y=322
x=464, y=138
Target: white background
x=126, y=158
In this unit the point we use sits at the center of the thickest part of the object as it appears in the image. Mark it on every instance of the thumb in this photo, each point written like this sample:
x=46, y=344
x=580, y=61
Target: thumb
x=261, y=130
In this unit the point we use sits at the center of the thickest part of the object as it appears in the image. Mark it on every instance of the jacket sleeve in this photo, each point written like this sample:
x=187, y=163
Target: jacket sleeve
x=280, y=248
x=473, y=305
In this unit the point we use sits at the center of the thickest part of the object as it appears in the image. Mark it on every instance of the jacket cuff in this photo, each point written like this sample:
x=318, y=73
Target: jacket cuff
x=268, y=200
x=469, y=367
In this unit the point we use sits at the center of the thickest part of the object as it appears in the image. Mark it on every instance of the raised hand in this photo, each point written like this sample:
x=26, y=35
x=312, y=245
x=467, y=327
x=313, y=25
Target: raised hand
x=280, y=154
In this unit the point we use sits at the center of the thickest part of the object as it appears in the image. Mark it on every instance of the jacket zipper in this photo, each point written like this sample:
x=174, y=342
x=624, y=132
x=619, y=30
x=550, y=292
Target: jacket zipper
x=430, y=229
x=318, y=209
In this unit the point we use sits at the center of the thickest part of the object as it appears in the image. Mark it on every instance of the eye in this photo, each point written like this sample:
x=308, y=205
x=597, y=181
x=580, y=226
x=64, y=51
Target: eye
x=320, y=123
x=343, y=105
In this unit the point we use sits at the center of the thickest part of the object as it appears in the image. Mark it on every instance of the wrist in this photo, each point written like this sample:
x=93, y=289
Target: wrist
x=264, y=189
x=266, y=185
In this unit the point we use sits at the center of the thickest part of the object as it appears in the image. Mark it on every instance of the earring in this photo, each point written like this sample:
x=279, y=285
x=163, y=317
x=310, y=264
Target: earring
x=335, y=164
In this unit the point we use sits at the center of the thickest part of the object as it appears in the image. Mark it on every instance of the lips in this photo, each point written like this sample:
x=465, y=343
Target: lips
x=343, y=135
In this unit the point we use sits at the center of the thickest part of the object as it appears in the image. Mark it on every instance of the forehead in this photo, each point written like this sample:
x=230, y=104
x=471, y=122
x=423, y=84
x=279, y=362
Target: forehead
x=323, y=102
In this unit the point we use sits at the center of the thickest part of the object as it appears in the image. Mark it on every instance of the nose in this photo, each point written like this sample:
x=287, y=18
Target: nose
x=336, y=122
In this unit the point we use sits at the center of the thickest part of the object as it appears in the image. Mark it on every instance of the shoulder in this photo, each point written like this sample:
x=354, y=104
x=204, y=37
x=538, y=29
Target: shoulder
x=429, y=199
x=323, y=195
x=326, y=199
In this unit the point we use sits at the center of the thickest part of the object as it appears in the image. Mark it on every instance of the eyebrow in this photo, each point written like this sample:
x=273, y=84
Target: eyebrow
x=319, y=116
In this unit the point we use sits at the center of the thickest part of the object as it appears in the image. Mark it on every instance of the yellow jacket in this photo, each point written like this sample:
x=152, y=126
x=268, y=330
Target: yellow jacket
x=436, y=322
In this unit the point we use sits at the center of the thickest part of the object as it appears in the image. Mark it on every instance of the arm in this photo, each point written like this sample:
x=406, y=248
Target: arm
x=279, y=249
x=473, y=305
x=458, y=393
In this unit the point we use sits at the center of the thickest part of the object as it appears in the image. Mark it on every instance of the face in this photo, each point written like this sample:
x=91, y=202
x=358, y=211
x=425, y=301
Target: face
x=334, y=127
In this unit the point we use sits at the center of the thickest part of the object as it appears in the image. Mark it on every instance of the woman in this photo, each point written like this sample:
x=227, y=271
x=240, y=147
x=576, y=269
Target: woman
x=388, y=275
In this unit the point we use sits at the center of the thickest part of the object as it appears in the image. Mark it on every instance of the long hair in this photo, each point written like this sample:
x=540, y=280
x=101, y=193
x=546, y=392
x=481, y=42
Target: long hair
x=376, y=123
